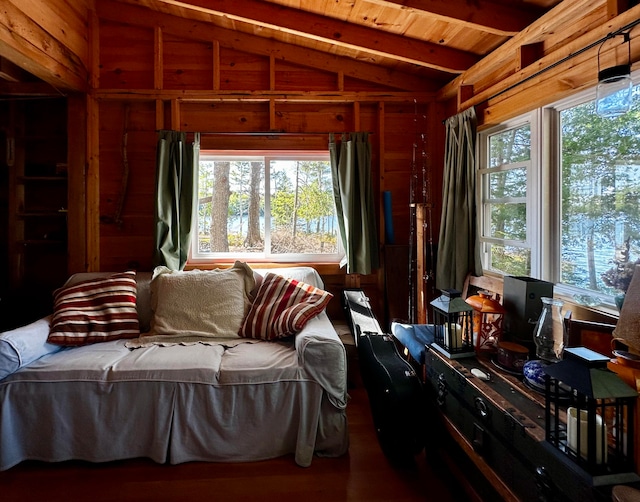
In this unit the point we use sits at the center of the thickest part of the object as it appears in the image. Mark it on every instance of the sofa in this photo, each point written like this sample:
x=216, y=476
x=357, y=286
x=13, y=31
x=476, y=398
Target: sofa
x=174, y=399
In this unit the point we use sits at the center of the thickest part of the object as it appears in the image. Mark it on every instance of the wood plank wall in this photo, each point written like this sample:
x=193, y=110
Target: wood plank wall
x=165, y=72
x=149, y=80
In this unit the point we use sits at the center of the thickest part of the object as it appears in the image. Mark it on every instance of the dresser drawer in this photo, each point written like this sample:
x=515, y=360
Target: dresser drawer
x=506, y=429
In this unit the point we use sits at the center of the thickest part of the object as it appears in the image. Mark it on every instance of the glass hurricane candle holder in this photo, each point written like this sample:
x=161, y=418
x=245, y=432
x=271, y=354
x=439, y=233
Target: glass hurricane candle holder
x=550, y=334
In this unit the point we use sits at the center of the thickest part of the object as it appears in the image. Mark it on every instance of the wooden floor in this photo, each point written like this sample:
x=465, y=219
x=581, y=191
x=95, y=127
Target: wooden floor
x=364, y=474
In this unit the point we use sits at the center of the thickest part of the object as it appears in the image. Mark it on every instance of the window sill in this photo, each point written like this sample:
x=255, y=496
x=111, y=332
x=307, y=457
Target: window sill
x=598, y=313
x=322, y=268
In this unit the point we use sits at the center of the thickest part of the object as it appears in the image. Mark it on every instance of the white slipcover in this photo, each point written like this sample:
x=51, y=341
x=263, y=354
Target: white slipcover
x=179, y=403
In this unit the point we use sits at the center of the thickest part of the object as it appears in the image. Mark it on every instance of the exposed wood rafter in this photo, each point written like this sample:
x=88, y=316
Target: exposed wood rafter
x=333, y=31
x=32, y=89
x=562, y=14
x=465, y=50
x=121, y=13
x=481, y=15
x=34, y=50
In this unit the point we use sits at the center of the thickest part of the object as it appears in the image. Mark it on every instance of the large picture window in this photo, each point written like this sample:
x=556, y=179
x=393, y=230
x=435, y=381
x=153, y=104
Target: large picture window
x=600, y=173
x=565, y=209
x=275, y=206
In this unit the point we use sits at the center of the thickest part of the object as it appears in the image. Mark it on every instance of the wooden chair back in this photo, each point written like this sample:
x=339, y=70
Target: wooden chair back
x=473, y=284
x=596, y=336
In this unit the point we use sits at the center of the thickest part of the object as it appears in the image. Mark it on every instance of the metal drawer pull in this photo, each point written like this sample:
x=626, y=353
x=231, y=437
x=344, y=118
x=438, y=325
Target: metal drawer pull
x=546, y=489
x=478, y=439
x=481, y=407
x=442, y=389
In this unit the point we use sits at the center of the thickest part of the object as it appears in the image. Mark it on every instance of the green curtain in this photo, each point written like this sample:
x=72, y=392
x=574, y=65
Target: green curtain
x=176, y=168
x=353, y=195
x=459, y=247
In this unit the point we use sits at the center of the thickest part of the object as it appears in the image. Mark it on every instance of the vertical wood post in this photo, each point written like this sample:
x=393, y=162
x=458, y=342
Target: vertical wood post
x=76, y=183
x=421, y=226
x=216, y=65
x=93, y=185
x=158, y=60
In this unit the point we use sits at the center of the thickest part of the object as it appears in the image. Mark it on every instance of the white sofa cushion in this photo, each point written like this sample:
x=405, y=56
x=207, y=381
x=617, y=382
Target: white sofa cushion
x=24, y=345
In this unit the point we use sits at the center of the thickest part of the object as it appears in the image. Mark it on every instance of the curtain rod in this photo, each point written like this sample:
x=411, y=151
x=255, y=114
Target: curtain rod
x=610, y=35
x=269, y=133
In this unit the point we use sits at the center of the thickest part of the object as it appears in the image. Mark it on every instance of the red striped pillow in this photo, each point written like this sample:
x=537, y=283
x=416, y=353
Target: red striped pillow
x=94, y=311
x=282, y=307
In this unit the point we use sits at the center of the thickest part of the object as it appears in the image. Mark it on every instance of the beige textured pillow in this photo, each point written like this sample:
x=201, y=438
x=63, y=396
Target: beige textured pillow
x=628, y=326
x=202, y=304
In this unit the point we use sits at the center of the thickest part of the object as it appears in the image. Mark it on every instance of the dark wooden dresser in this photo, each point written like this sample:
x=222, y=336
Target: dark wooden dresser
x=499, y=424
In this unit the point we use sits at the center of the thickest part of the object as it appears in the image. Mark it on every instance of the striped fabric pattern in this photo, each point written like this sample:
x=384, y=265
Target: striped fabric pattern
x=94, y=311
x=282, y=307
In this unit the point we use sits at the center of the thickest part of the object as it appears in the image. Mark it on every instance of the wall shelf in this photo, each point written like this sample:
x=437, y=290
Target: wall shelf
x=37, y=203
x=42, y=242
x=27, y=179
x=42, y=214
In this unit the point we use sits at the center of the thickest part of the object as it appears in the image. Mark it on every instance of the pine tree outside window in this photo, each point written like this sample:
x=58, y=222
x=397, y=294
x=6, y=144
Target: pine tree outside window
x=266, y=206
x=559, y=195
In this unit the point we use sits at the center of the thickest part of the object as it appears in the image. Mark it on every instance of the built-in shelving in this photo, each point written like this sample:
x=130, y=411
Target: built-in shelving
x=36, y=159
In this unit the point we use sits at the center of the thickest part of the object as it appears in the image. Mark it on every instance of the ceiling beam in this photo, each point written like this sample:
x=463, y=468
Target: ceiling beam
x=517, y=95
x=11, y=72
x=29, y=46
x=482, y=15
x=197, y=96
x=31, y=89
x=335, y=32
x=561, y=15
x=118, y=12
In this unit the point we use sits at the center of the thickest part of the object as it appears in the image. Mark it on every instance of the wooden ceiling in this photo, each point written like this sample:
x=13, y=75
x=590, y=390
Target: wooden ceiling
x=460, y=50
x=435, y=40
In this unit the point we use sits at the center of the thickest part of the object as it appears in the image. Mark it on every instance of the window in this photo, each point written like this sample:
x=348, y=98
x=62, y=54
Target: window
x=275, y=206
x=600, y=175
x=574, y=218
x=507, y=161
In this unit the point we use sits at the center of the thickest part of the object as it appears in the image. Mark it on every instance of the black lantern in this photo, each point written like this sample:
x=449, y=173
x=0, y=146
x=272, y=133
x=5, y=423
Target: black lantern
x=453, y=320
x=589, y=416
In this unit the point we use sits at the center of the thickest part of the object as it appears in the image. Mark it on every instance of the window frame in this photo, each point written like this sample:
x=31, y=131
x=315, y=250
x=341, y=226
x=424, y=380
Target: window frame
x=266, y=156
x=532, y=240
x=544, y=191
x=553, y=131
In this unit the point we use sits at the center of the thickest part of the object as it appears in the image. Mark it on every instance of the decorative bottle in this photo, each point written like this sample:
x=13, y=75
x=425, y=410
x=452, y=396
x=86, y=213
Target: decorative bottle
x=550, y=334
